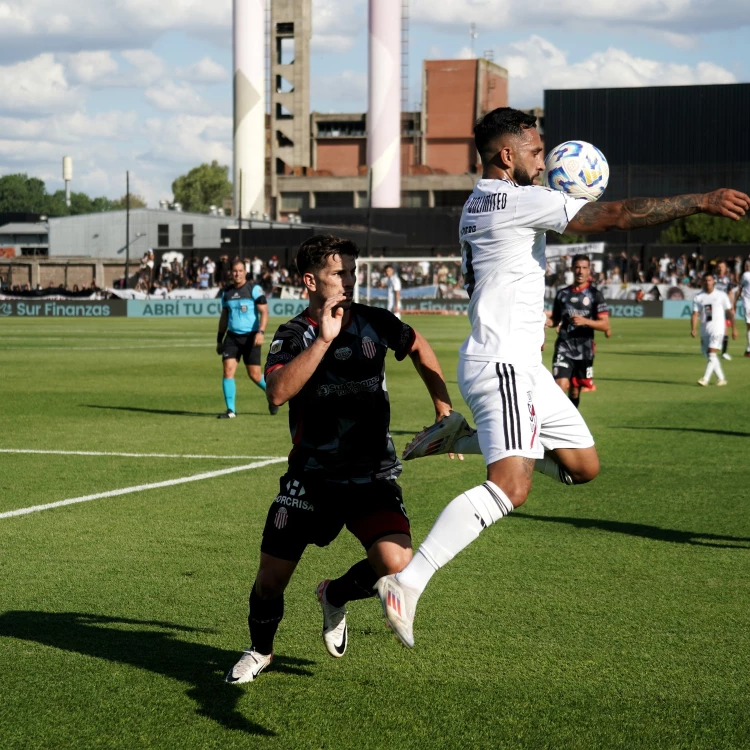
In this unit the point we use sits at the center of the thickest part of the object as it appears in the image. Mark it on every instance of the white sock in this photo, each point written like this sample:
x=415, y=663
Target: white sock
x=712, y=362
x=550, y=468
x=460, y=523
x=469, y=444
x=717, y=365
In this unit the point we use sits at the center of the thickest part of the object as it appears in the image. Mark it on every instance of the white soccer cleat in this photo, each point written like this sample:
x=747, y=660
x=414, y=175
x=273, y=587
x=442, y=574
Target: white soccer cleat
x=439, y=437
x=722, y=382
x=399, y=604
x=727, y=356
x=703, y=382
x=228, y=414
x=247, y=669
x=334, y=623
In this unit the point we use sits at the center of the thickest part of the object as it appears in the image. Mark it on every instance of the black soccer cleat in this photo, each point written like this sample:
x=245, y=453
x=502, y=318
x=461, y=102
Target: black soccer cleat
x=273, y=409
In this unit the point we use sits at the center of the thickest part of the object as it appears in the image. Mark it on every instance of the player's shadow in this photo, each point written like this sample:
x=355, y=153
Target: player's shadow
x=154, y=646
x=654, y=354
x=172, y=412
x=647, y=532
x=728, y=433
x=639, y=380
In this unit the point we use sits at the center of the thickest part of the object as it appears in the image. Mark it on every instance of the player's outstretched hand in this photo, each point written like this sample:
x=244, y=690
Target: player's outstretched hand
x=726, y=202
x=330, y=318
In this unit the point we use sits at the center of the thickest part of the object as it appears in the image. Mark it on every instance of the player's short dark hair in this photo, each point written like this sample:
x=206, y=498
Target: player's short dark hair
x=387, y=267
x=314, y=252
x=501, y=121
x=580, y=256
x=711, y=274
x=238, y=262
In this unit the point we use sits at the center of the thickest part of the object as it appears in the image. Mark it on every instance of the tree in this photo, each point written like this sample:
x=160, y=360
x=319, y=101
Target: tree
x=202, y=187
x=701, y=229
x=136, y=201
x=20, y=193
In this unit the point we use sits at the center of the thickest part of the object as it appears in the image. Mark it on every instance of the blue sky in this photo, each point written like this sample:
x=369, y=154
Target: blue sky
x=145, y=86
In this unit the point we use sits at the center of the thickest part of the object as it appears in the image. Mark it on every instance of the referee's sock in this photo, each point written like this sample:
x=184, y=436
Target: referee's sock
x=230, y=391
x=261, y=384
x=460, y=523
x=357, y=583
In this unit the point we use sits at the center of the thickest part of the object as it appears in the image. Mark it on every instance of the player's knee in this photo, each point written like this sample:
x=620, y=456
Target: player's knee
x=586, y=471
x=269, y=585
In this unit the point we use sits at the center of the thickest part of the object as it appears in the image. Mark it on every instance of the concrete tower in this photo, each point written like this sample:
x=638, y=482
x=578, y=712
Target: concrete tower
x=384, y=103
x=249, y=106
x=291, y=29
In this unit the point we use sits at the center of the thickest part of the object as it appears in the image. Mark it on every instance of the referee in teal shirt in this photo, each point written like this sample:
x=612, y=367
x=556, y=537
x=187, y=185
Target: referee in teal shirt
x=242, y=326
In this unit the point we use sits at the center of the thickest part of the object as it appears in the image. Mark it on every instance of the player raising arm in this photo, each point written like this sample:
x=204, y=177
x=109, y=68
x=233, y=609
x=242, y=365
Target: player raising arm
x=524, y=421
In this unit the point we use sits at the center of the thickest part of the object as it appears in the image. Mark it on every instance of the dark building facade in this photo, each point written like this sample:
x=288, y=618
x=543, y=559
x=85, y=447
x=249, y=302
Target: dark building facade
x=661, y=140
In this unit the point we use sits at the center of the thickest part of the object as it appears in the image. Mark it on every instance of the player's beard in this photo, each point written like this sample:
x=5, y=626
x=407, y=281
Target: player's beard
x=522, y=177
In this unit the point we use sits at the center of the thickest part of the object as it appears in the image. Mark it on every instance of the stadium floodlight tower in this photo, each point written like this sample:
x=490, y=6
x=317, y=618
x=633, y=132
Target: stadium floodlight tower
x=249, y=107
x=67, y=177
x=384, y=103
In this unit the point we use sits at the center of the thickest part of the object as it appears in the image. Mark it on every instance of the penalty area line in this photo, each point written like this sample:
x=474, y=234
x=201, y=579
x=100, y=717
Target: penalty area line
x=127, y=455
x=141, y=488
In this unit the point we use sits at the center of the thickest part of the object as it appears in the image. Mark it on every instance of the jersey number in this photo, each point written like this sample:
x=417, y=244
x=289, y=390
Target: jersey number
x=467, y=268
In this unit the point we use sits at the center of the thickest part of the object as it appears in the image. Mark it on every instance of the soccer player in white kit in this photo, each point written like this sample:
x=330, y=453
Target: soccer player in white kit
x=712, y=307
x=744, y=294
x=524, y=421
x=393, y=285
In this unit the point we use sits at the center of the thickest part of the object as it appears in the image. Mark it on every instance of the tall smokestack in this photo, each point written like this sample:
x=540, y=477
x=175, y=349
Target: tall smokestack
x=249, y=106
x=67, y=177
x=384, y=106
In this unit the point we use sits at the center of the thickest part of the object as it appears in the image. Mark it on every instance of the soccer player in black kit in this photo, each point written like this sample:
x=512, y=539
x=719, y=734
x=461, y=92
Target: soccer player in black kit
x=579, y=310
x=329, y=364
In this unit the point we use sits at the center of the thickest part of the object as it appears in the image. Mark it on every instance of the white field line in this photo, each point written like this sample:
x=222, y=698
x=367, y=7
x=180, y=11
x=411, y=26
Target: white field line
x=107, y=348
x=128, y=455
x=140, y=488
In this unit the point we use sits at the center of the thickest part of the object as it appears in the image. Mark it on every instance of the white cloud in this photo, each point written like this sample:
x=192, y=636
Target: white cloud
x=336, y=25
x=536, y=64
x=169, y=96
x=189, y=140
x=147, y=67
x=344, y=92
x=205, y=70
x=37, y=85
x=89, y=67
x=76, y=127
x=677, y=16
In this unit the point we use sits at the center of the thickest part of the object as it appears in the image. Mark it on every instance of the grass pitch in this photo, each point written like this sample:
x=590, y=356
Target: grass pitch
x=613, y=615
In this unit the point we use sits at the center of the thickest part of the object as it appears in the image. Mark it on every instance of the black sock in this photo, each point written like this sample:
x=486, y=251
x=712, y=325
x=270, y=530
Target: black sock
x=724, y=345
x=356, y=583
x=576, y=401
x=263, y=621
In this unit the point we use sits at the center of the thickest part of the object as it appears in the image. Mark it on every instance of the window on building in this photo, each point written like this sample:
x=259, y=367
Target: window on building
x=282, y=113
x=187, y=235
x=294, y=201
x=415, y=199
x=286, y=27
x=334, y=199
x=162, y=237
x=285, y=50
x=282, y=141
x=450, y=198
x=283, y=86
x=341, y=129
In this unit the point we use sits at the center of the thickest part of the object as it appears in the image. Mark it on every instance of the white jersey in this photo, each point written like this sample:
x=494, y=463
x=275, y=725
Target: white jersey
x=711, y=309
x=745, y=288
x=503, y=243
x=393, y=284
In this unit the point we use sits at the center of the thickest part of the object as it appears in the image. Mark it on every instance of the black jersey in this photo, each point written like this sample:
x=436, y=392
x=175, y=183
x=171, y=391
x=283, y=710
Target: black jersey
x=340, y=419
x=577, y=342
x=724, y=284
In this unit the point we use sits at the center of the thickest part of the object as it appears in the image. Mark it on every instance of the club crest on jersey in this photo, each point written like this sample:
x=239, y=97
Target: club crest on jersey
x=276, y=346
x=368, y=347
x=532, y=418
x=586, y=301
x=282, y=516
x=344, y=353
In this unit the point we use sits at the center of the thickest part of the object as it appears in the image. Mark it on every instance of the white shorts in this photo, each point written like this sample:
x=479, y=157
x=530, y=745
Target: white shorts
x=711, y=341
x=746, y=305
x=519, y=411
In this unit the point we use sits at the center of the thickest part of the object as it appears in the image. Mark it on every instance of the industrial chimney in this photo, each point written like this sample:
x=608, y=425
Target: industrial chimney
x=67, y=177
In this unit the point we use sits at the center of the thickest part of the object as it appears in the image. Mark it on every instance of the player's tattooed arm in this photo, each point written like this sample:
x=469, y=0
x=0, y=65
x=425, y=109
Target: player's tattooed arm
x=643, y=212
x=528, y=467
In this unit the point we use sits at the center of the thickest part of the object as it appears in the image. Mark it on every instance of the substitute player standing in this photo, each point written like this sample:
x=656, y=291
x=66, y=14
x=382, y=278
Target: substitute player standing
x=724, y=284
x=744, y=295
x=393, y=285
x=579, y=310
x=242, y=325
x=329, y=363
x=519, y=410
x=714, y=310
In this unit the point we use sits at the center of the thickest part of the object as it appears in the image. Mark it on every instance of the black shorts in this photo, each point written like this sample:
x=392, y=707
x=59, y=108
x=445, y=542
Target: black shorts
x=311, y=510
x=580, y=372
x=241, y=346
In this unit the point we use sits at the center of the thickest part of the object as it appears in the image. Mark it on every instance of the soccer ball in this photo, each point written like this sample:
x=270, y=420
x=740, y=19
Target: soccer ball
x=578, y=169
